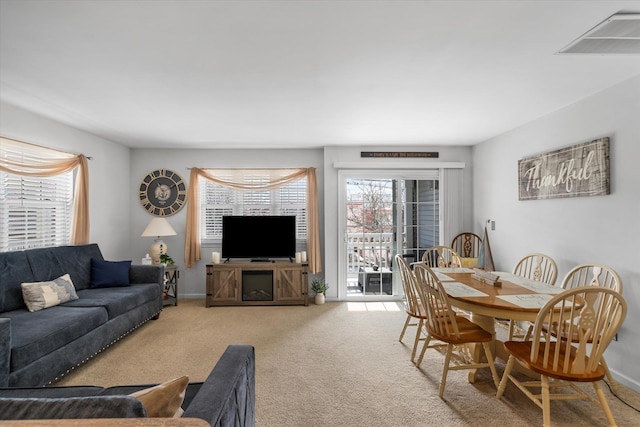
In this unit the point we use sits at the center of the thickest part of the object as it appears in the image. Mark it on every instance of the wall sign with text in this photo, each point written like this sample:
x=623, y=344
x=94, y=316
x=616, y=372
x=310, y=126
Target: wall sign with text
x=576, y=171
x=400, y=154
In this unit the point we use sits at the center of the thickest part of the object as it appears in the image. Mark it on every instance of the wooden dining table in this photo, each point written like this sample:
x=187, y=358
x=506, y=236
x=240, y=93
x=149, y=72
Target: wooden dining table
x=516, y=298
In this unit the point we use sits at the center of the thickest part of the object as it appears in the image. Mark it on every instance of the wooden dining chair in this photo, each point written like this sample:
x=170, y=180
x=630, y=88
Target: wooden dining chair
x=444, y=325
x=589, y=314
x=594, y=275
x=467, y=245
x=416, y=314
x=538, y=267
x=441, y=256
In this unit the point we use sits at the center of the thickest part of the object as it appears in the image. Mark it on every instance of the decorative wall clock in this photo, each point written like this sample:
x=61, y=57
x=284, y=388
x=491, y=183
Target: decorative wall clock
x=163, y=192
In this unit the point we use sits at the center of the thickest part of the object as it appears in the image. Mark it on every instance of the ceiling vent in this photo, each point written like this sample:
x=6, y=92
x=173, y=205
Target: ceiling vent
x=616, y=35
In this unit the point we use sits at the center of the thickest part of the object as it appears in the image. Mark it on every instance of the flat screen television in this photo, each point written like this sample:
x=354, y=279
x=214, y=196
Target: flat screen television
x=258, y=237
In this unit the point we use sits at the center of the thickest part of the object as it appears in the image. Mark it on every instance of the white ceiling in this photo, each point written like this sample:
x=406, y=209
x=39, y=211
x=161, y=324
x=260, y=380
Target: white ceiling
x=243, y=74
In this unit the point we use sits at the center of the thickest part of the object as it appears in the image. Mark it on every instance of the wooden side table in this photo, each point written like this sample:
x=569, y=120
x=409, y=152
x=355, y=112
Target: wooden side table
x=171, y=276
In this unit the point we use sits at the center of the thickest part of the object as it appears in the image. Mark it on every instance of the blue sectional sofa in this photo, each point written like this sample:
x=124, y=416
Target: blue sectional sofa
x=37, y=348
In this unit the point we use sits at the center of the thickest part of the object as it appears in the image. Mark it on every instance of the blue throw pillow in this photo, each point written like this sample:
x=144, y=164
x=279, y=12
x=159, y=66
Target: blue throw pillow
x=106, y=274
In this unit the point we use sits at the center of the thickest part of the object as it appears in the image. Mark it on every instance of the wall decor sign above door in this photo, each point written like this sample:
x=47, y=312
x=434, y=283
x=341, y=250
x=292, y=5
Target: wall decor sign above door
x=577, y=171
x=400, y=154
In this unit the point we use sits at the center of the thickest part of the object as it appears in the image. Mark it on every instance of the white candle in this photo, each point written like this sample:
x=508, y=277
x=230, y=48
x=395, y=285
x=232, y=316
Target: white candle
x=303, y=256
x=298, y=257
x=215, y=257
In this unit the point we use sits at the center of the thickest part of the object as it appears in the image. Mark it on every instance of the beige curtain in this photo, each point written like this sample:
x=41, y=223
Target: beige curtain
x=61, y=163
x=192, y=250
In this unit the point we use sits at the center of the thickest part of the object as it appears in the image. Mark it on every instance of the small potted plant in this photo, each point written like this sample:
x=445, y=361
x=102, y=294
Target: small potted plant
x=319, y=286
x=166, y=259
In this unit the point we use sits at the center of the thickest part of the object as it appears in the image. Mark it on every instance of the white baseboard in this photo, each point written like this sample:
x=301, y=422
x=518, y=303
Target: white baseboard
x=626, y=381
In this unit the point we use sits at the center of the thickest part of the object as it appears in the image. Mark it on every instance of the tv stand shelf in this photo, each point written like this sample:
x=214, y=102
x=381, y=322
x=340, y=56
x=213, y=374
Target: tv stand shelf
x=257, y=283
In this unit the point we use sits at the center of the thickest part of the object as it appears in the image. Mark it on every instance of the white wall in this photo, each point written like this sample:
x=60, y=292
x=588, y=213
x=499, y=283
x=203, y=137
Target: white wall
x=192, y=281
x=351, y=155
x=108, y=173
x=603, y=229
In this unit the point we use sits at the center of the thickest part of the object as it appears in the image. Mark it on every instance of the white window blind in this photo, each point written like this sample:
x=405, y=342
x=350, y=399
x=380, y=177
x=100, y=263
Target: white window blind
x=34, y=211
x=218, y=201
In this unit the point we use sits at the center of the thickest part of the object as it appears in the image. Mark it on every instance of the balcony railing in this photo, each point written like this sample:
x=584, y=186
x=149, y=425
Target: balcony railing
x=368, y=250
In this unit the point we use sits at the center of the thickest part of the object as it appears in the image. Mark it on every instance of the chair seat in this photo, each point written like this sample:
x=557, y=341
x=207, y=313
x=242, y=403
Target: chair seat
x=521, y=350
x=469, y=332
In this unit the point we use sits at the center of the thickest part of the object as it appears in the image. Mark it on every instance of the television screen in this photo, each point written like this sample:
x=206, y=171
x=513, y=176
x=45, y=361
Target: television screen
x=258, y=237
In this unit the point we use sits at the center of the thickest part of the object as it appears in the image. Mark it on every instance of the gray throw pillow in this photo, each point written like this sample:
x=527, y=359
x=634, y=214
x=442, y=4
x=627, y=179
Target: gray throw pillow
x=40, y=295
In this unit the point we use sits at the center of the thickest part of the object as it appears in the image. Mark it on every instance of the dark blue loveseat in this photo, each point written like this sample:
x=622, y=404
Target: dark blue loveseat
x=225, y=399
x=37, y=348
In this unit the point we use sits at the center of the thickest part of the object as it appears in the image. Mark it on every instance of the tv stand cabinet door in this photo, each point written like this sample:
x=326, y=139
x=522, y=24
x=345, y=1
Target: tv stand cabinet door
x=289, y=287
x=222, y=285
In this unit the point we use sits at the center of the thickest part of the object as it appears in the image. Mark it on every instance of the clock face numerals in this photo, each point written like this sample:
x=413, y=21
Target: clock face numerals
x=162, y=192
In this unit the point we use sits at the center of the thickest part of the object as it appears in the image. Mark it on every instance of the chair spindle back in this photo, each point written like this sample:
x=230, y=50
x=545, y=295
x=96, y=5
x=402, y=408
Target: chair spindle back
x=592, y=275
x=441, y=256
x=592, y=314
x=538, y=267
x=467, y=245
x=441, y=322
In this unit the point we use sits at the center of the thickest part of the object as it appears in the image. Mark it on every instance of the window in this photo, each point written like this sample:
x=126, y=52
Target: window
x=217, y=201
x=34, y=211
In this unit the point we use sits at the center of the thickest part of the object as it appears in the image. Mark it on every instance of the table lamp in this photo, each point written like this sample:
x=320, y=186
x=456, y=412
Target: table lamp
x=158, y=227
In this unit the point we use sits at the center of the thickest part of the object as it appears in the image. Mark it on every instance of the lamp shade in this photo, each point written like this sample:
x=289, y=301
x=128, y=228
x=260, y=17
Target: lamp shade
x=158, y=227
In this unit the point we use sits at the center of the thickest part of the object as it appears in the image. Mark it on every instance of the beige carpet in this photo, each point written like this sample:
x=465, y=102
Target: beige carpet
x=339, y=364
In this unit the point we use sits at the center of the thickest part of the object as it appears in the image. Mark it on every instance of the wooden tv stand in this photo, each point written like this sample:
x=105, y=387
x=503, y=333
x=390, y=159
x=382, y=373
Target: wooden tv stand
x=257, y=283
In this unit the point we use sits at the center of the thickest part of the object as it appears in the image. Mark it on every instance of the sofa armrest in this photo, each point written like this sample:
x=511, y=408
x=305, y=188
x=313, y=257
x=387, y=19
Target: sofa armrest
x=227, y=397
x=5, y=351
x=147, y=274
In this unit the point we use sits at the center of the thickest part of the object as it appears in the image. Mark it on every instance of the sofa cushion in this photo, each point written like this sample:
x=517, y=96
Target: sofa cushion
x=82, y=391
x=49, y=263
x=164, y=400
x=14, y=269
x=76, y=260
x=44, y=264
x=106, y=274
x=117, y=300
x=41, y=295
x=70, y=408
x=52, y=391
x=35, y=335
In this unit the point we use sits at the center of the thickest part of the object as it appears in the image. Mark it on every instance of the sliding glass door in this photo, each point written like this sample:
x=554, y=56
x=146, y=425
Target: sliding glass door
x=384, y=214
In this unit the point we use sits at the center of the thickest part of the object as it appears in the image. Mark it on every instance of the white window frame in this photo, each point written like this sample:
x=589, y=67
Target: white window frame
x=217, y=201
x=35, y=212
